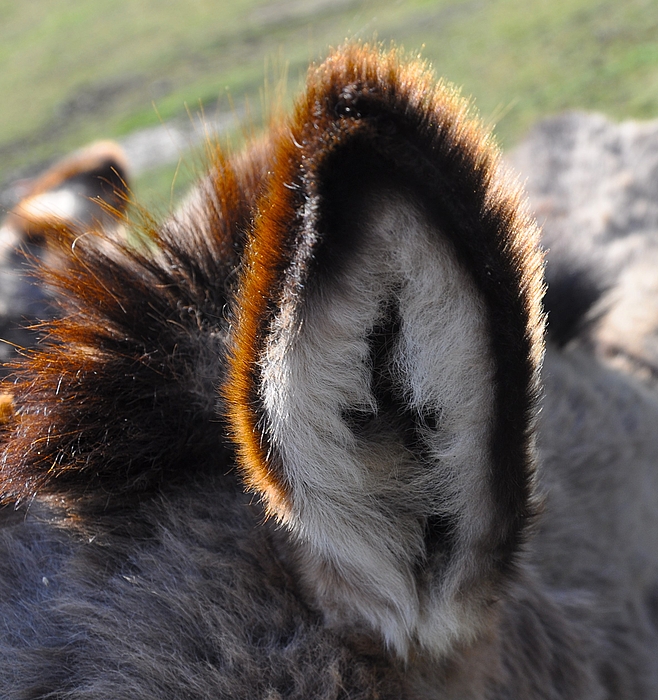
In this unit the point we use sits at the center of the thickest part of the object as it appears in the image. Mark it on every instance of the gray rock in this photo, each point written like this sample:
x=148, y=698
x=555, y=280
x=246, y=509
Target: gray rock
x=593, y=187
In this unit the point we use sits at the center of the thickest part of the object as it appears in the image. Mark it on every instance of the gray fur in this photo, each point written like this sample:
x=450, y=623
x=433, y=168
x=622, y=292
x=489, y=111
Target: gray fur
x=202, y=609
x=192, y=593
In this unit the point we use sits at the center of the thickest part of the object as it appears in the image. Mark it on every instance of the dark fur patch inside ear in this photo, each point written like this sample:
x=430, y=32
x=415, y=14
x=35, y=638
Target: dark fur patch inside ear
x=440, y=535
x=394, y=416
x=390, y=410
x=382, y=340
x=346, y=183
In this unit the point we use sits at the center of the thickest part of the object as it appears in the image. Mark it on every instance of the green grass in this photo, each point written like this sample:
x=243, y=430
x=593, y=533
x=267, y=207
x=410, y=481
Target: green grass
x=75, y=70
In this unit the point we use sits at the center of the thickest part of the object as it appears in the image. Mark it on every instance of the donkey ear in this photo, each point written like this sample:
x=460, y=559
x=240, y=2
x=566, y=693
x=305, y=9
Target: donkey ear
x=87, y=190
x=388, y=333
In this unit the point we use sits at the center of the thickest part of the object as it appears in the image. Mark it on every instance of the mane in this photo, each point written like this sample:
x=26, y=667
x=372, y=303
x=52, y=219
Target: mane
x=120, y=397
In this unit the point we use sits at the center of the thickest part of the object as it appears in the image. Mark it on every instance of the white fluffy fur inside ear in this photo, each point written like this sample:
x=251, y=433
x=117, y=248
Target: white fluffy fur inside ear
x=398, y=339
x=62, y=204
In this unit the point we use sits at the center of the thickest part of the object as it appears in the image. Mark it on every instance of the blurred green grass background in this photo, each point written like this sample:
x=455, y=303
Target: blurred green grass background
x=72, y=71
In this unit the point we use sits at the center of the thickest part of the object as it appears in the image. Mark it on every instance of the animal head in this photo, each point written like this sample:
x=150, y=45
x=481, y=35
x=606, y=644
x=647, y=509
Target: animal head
x=345, y=322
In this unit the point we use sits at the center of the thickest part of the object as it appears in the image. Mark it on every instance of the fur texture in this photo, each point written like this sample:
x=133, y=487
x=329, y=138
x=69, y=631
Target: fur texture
x=363, y=237
x=291, y=447
x=86, y=191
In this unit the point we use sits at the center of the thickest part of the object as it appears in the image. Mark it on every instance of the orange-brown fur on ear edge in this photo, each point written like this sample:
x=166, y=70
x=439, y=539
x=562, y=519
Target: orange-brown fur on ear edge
x=359, y=78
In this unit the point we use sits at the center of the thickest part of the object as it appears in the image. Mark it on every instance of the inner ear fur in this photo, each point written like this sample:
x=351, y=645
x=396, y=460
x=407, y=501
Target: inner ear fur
x=383, y=381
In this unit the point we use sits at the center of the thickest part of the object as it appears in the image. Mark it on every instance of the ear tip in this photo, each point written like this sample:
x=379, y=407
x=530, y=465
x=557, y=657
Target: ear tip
x=96, y=158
